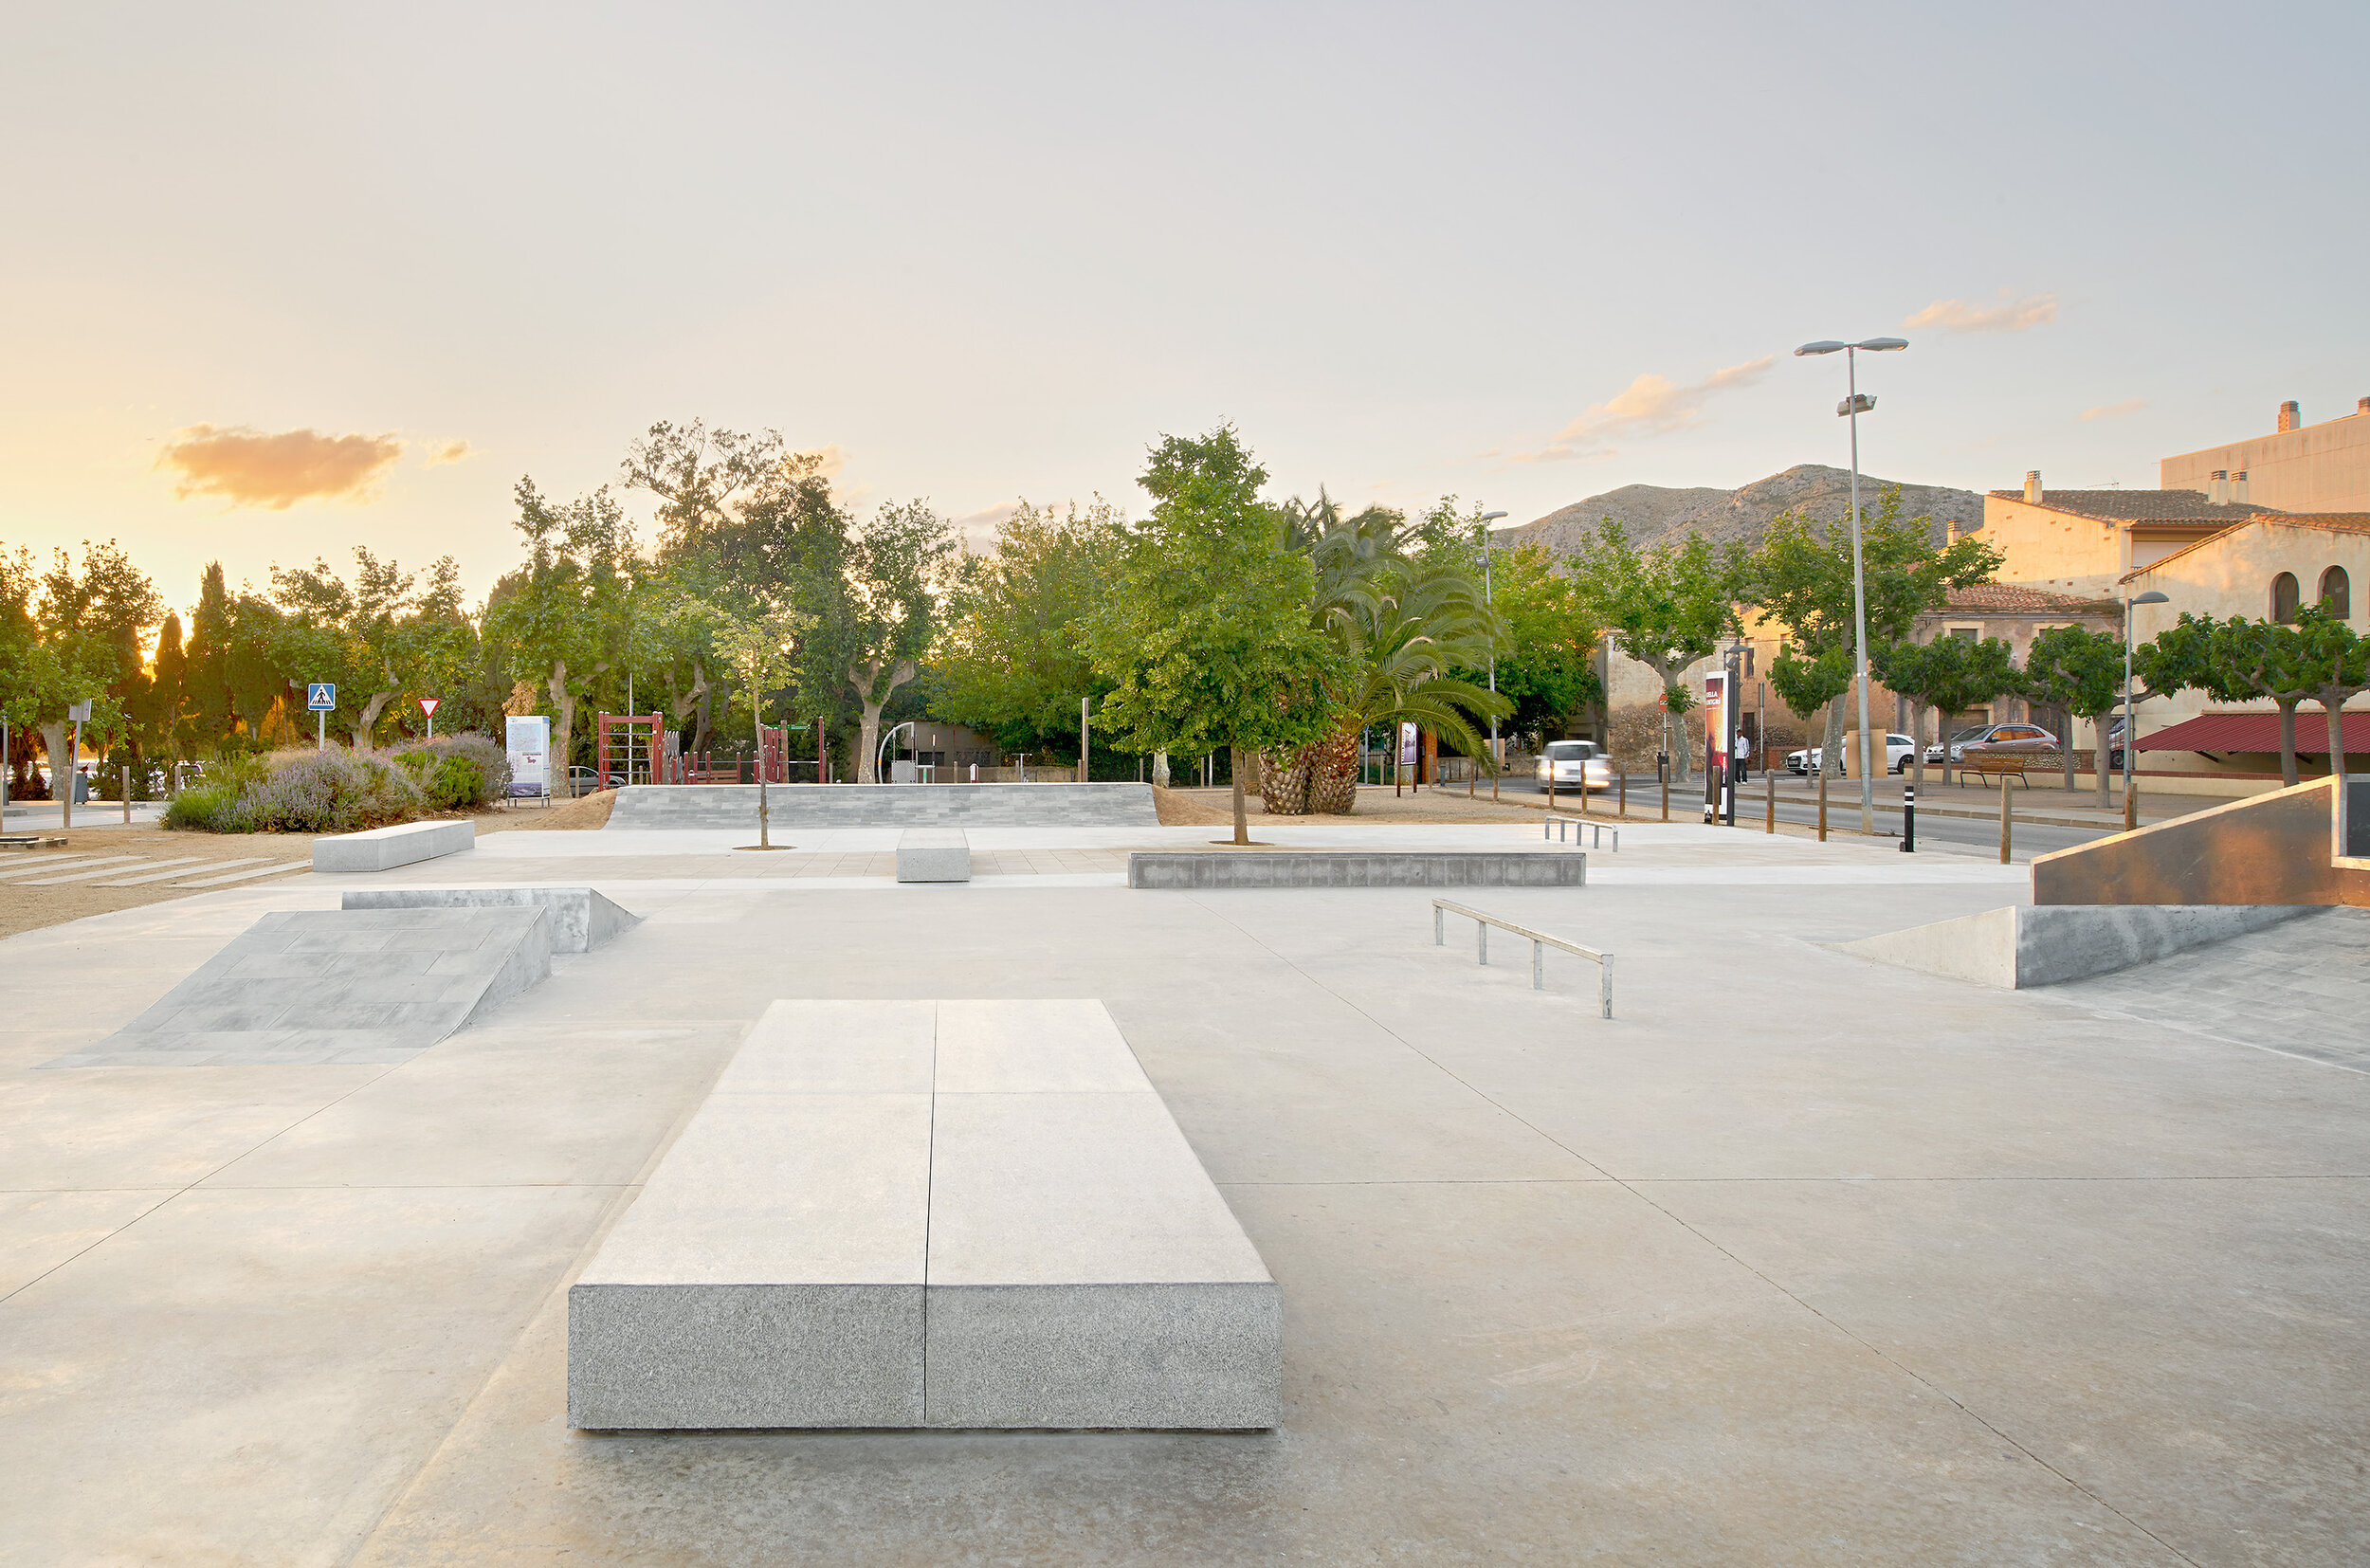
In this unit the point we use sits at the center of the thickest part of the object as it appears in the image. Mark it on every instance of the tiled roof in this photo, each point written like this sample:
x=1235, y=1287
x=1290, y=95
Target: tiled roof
x=2018, y=599
x=2142, y=505
x=2259, y=732
x=2335, y=523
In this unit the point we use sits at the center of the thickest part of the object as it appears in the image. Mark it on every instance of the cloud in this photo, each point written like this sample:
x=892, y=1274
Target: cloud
x=977, y=529
x=2114, y=410
x=442, y=452
x=2007, y=316
x=1651, y=405
x=249, y=467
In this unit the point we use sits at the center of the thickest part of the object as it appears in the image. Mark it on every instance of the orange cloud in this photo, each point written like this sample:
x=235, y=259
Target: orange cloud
x=446, y=452
x=2008, y=316
x=1651, y=405
x=249, y=467
x=2114, y=410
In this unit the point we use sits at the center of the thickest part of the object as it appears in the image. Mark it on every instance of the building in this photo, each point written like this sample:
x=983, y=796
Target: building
x=2014, y=613
x=2082, y=542
x=2263, y=569
x=2299, y=468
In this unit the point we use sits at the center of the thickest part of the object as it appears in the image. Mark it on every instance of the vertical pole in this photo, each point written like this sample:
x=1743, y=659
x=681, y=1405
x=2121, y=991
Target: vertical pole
x=1666, y=793
x=1623, y=807
x=1822, y=800
x=1538, y=966
x=1439, y=938
x=320, y=730
x=2131, y=798
x=127, y=795
x=1082, y=740
x=2004, y=819
x=73, y=772
x=1480, y=933
x=1908, y=819
x=1604, y=986
x=1769, y=784
x=1859, y=597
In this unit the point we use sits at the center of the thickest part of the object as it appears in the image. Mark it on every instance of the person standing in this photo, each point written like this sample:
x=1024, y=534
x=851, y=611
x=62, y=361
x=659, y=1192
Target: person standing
x=1743, y=762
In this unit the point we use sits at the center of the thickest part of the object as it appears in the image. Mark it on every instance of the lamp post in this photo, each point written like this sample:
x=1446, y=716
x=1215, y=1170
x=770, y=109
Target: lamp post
x=2151, y=597
x=1851, y=408
x=1495, y=761
x=889, y=738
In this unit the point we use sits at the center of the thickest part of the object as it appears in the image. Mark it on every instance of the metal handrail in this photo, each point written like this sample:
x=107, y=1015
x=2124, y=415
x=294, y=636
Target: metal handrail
x=1557, y=824
x=1540, y=942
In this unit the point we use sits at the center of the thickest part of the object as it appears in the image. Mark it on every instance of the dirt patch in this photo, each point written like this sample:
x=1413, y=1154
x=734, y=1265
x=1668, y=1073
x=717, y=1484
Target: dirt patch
x=567, y=816
x=1185, y=809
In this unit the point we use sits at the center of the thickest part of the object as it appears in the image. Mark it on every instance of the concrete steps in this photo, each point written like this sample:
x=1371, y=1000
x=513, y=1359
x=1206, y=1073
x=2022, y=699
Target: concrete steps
x=647, y=807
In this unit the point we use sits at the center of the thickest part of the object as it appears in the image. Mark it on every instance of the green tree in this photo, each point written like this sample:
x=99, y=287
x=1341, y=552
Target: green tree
x=1547, y=640
x=888, y=616
x=93, y=619
x=761, y=650
x=1206, y=637
x=1807, y=683
x=563, y=620
x=1013, y=662
x=1945, y=675
x=1666, y=607
x=2337, y=662
x=206, y=677
x=2081, y=670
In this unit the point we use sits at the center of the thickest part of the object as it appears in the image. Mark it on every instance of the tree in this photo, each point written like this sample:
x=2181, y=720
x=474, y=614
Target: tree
x=32, y=684
x=1667, y=608
x=1801, y=576
x=1547, y=640
x=1013, y=662
x=888, y=617
x=92, y=621
x=165, y=715
x=2081, y=670
x=206, y=677
x=1947, y=675
x=1207, y=638
x=2338, y=664
x=563, y=619
x=759, y=648
x=1806, y=684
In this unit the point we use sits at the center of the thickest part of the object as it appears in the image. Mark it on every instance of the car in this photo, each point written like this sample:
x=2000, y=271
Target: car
x=1573, y=764
x=1899, y=749
x=1993, y=739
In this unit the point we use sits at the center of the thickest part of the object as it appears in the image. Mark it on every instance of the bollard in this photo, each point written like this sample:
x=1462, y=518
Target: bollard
x=1908, y=819
x=1623, y=807
x=1769, y=782
x=1666, y=796
x=2004, y=819
x=127, y=795
x=2131, y=805
x=1822, y=805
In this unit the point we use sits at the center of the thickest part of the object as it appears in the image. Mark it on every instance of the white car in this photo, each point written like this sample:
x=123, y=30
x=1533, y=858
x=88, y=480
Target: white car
x=1899, y=749
x=1574, y=765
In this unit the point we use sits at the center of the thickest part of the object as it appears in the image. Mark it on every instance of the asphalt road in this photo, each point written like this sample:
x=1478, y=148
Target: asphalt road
x=1953, y=835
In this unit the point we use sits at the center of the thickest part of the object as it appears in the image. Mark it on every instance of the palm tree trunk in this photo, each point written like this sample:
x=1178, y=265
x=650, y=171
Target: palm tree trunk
x=1333, y=773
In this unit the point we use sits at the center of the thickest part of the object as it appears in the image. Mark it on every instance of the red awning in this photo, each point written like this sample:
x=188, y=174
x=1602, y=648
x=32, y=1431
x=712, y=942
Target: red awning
x=2259, y=732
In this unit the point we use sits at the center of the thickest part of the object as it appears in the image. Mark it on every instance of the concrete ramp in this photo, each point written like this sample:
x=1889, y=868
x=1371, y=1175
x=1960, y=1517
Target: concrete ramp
x=355, y=985
x=2024, y=946
x=581, y=919
x=647, y=807
x=2288, y=846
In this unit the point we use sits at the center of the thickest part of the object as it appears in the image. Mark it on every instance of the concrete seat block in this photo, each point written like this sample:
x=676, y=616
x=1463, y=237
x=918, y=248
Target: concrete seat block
x=581, y=919
x=933, y=855
x=383, y=849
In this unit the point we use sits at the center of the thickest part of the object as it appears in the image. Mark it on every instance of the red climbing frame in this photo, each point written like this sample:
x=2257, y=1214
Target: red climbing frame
x=636, y=743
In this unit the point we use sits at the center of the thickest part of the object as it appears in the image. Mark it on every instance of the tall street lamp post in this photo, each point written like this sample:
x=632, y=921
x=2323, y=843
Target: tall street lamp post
x=1851, y=408
x=2151, y=597
x=1495, y=761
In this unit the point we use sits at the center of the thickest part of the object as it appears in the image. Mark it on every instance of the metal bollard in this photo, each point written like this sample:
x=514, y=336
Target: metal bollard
x=1538, y=966
x=2004, y=820
x=1908, y=819
x=1481, y=932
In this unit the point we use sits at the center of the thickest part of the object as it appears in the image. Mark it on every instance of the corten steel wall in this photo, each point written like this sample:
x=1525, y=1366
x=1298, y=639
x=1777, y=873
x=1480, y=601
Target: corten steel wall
x=2273, y=849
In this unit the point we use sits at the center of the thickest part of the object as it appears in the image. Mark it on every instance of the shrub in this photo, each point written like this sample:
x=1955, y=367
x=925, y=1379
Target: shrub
x=342, y=792
x=211, y=808
x=332, y=793
x=488, y=775
x=455, y=783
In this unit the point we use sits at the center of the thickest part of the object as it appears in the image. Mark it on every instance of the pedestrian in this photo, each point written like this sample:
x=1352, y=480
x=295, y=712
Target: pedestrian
x=81, y=785
x=1744, y=759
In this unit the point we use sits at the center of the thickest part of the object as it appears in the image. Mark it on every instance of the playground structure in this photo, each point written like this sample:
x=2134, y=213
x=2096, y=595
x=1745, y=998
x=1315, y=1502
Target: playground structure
x=639, y=748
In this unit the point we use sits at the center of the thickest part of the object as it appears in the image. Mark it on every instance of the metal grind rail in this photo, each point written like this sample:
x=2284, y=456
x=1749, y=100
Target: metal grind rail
x=1554, y=826
x=1540, y=942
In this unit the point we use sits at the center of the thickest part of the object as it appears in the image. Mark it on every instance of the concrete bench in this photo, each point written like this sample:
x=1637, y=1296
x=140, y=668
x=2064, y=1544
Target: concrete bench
x=384, y=848
x=933, y=855
x=952, y=1214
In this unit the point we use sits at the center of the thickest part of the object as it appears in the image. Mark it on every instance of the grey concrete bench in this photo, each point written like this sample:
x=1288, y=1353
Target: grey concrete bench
x=952, y=1214
x=933, y=855
x=384, y=848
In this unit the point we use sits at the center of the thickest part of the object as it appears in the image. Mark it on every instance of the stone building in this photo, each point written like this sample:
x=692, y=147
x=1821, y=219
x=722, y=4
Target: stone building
x=2081, y=542
x=2297, y=468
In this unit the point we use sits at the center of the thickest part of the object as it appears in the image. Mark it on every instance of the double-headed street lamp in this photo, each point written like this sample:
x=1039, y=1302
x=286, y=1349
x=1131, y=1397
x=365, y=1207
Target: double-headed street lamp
x=1851, y=408
x=1486, y=518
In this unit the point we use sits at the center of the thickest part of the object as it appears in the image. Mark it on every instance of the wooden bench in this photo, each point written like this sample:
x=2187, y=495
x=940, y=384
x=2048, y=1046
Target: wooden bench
x=2000, y=765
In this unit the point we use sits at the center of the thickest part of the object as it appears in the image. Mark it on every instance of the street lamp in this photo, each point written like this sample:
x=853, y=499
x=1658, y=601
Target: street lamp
x=1851, y=408
x=2151, y=597
x=1495, y=761
x=887, y=741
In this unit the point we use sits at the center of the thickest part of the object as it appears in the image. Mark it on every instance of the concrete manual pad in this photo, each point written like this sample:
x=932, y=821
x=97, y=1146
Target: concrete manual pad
x=310, y=986
x=1183, y=869
x=581, y=919
x=933, y=855
x=2027, y=945
x=384, y=848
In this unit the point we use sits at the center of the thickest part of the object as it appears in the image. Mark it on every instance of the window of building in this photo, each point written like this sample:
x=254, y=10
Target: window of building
x=2284, y=597
x=1964, y=633
x=2337, y=593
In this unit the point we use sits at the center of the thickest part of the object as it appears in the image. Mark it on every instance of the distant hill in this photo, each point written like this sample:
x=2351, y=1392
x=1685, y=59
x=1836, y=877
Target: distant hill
x=1653, y=513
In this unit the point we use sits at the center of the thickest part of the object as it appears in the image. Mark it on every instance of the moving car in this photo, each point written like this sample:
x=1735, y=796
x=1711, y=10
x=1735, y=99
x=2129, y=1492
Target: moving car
x=1574, y=765
x=1899, y=749
x=1995, y=740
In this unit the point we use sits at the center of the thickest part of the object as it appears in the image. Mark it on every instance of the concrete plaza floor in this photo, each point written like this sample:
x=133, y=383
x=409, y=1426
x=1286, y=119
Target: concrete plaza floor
x=1797, y=1260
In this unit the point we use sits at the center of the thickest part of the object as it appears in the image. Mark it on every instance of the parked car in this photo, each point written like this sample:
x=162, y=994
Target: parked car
x=1573, y=764
x=1993, y=739
x=1899, y=749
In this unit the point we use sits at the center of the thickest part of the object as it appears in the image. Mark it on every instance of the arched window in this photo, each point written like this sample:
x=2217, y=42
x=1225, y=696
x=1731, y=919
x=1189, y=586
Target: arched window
x=2337, y=593
x=2284, y=597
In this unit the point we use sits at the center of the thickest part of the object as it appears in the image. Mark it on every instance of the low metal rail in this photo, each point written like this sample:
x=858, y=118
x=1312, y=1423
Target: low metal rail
x=1540, y=942
x=1554, y=826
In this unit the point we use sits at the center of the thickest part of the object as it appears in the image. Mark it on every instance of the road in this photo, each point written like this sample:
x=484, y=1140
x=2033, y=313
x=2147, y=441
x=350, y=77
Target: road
x=1798, y=805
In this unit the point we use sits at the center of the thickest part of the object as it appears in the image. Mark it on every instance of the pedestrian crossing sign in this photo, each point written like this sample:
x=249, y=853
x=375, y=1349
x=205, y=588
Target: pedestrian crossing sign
x=321, y=696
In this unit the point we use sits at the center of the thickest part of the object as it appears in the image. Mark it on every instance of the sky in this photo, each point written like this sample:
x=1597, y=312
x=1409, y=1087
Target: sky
x=276, y=281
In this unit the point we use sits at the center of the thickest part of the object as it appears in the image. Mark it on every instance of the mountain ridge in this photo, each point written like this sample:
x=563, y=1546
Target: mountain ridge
x=1655, y=512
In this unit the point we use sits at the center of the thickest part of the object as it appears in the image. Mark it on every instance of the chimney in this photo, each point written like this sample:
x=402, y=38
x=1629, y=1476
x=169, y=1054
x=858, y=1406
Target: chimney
x=2291, y=417
x=2217, y=487
x=2032, y=491
x=2362, y=406
x=2238, y=488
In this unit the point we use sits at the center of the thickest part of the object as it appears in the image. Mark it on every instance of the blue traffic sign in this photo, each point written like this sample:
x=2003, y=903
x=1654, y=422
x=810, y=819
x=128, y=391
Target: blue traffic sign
x=321, y=696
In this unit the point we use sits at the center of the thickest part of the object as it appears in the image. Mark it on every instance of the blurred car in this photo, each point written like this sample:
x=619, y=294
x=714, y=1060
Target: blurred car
x=1993, y=739
x=1573, y=764
x=1899, y=749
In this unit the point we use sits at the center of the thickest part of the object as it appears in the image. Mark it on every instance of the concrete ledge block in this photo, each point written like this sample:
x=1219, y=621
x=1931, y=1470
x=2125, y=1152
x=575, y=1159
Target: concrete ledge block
x=1188, y=868
x=736, y=1356
x=933, y=855
x=581, y=919
x=2024, y=945
x=384, y=848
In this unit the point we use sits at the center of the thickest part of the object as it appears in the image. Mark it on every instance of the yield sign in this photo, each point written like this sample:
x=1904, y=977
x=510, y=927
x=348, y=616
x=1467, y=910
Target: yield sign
x=428, y=706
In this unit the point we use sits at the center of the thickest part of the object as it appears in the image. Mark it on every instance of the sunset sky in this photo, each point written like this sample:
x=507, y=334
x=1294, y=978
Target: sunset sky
x=280, y=280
